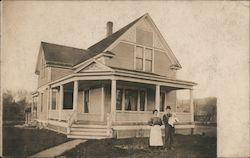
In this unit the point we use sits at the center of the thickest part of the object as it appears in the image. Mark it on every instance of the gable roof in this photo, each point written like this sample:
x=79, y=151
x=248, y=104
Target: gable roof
x=62, y=55
x=106, y=42
x=69, y=56
x=103, y=44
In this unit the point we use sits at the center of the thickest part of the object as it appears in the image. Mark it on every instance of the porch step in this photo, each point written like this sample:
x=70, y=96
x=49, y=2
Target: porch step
x=89, y=126
x=90, y=122
x=89, y=133
x=86, y=137
x=88, y=129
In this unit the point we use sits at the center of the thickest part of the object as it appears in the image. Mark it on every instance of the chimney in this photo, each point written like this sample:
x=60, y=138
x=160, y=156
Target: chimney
x=109, y=28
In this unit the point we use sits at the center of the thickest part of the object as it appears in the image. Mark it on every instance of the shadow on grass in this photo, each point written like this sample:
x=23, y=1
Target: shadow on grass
x=22, y=142
x=185, y=146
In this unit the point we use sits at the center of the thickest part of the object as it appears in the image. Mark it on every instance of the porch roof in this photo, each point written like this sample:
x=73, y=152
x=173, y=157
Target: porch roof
x=126, y=75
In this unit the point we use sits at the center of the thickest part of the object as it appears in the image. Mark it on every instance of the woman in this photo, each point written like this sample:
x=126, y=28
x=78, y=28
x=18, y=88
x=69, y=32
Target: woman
x=155, y=139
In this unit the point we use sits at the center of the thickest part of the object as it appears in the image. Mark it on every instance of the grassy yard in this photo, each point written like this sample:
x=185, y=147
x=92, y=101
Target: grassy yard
x=185, y=146
x=21, y=142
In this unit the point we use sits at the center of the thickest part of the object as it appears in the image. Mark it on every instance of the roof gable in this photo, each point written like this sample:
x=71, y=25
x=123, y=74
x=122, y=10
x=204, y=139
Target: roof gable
x=62, y=55
x=93, y=65
x=69, y=56
x=145, y=23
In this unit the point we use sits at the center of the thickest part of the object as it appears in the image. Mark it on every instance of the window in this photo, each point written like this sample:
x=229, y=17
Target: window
x=139, y=58
x=131, y=100
x=54, y=94
x=162, y=101
x=119, y=99
x=68, y=100
x=42, y=102
x=86, y=101
x=144, y=59
x=142, y=100
x=148, y=60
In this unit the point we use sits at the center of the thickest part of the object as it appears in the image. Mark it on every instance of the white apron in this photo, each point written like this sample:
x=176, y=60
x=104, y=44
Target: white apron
x=155, y=138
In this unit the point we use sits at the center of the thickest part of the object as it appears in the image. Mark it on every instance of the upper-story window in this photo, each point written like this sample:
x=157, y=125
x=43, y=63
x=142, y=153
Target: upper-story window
x=144, y=59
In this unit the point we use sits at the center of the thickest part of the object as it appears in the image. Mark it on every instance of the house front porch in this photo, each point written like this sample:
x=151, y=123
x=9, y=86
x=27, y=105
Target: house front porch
x=115, y=106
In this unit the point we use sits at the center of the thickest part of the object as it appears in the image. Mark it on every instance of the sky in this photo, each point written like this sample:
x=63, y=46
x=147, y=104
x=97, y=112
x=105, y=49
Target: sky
x=210, y=40
x=200, y=34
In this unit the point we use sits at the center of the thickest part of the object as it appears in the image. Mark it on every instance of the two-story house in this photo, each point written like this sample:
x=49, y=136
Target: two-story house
x=111, y=88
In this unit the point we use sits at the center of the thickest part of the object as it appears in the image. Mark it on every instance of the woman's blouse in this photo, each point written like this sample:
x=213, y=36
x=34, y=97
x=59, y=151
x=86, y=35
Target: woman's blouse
x=155, y=121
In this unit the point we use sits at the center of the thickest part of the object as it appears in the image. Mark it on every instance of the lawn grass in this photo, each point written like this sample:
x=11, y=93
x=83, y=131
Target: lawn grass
x=22, y=142
x=185, y=146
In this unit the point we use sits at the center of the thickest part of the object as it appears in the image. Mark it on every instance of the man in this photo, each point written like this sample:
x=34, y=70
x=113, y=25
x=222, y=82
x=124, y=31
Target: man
x=169, y=130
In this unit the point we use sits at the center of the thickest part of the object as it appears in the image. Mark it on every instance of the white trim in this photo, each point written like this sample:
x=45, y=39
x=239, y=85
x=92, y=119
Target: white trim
x=123, y=99
x=113, y=99
x=94, y=57
x=191, y=105
x=102, y=102
x=172, y=57
x=49, y=74
x=137, y=44
x=134, y=57
x=106, y=68
x=83, y=102
x=75, y=95
x=138, y=100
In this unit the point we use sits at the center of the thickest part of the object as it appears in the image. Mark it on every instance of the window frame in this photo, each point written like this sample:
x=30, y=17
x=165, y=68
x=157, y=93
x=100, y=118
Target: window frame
x=138, y=101
x=144, y=58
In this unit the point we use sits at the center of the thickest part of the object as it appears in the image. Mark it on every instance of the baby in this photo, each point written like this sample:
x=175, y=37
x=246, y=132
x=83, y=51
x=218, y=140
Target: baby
x=172, y=120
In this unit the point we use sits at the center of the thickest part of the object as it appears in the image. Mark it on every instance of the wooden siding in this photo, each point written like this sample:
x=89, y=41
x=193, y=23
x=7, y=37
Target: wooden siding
x=171, y=100
x=95, y=101
x=107, y=102
x=124, y=56
x=42, y=115
x=44, y=80
x=162, y=64
x=80, y=102
x=57, y=73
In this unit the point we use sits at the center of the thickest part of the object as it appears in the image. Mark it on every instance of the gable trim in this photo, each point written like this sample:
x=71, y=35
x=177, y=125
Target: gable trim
x=91, y=62
x=93, y=58
x=39, y=56
x=171, y=56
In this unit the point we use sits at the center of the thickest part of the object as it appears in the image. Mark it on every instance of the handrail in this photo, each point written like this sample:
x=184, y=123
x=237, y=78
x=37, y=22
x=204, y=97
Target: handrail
x=71, y=120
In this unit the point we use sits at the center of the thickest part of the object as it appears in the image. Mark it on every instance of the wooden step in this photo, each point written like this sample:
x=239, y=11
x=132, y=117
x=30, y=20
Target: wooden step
x=90, y=122
x=88, y=133
x=89, y=129
x=86, y=137
x=88, y=126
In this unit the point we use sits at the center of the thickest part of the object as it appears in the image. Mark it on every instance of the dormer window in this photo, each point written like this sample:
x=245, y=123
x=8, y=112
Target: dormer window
x=144, y=59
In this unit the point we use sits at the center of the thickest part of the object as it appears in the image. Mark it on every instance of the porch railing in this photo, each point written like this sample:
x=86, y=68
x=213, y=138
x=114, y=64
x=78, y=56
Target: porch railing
x=109, y=125
x=71, y=120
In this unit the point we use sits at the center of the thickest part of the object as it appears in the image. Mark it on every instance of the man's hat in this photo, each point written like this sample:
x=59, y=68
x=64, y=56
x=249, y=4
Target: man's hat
x=168, y=107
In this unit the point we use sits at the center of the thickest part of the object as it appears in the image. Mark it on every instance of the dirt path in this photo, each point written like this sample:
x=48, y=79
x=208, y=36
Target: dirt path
x=58, y=150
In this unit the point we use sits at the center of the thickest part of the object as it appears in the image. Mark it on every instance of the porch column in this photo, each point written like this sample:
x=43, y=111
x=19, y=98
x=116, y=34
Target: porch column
x=113, y=99
x=48, y=102
x=191, y=105
x=32, y=106
x=60, y=102
x=157, y=98
x=50, y=99
x=75, y=97
x=102, y=103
